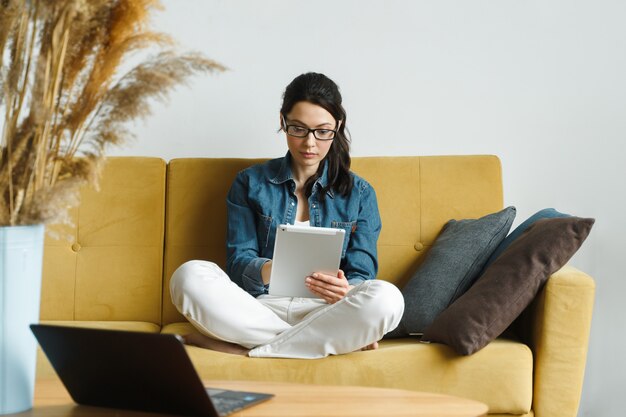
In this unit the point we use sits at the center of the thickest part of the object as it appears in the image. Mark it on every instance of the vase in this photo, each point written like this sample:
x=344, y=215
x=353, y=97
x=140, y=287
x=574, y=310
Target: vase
x=21, y=257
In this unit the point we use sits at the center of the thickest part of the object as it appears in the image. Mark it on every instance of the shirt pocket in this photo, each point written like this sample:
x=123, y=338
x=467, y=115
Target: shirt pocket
x=349, y=227
x=264, y=225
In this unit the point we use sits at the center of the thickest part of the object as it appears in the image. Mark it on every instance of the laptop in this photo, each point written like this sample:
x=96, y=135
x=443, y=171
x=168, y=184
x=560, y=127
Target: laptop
x=300, y=251
x=135, y=371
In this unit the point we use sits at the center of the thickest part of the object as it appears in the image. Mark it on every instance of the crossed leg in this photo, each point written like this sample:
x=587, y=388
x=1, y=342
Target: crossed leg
x=230, y=320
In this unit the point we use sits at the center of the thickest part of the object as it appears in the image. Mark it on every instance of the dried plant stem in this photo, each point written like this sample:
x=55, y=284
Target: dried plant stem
x=13, y=106
x=57, y=56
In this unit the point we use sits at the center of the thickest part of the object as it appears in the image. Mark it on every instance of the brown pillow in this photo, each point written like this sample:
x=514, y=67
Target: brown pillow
x=508, y=286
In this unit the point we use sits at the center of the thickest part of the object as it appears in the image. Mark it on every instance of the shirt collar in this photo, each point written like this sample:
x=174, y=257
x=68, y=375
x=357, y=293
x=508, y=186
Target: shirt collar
x=284, y=174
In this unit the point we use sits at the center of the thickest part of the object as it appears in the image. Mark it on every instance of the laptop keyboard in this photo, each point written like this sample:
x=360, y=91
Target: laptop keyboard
x=226, y=406
x=227, y=402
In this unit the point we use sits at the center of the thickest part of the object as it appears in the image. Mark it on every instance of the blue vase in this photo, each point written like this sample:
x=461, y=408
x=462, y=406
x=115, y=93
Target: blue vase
x=21, y=256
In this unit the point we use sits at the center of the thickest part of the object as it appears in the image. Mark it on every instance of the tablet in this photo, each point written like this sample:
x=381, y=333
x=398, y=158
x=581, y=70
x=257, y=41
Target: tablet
x=300, y=251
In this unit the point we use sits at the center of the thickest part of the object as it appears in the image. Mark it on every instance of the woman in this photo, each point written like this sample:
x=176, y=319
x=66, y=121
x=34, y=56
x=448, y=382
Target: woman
x=311, y=185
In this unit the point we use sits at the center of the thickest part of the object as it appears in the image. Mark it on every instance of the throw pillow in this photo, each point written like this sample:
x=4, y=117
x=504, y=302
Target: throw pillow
x=548, y=213
x=509, y=285
x=450, y=268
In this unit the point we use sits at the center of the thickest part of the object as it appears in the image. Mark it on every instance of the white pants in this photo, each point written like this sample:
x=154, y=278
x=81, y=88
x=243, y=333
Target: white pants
x=284, y=327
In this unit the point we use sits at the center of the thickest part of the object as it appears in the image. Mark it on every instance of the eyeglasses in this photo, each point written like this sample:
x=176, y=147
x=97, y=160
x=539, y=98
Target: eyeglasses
x=303, y=132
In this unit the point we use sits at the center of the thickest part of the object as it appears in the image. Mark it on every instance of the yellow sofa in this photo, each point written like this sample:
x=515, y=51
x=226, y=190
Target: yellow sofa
x=112, y=271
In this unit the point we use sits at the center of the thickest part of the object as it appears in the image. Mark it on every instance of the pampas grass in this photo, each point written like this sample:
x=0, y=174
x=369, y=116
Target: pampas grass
x=63, y=100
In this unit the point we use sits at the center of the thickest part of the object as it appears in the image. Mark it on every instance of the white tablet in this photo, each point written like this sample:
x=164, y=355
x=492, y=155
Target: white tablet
x=300, y=251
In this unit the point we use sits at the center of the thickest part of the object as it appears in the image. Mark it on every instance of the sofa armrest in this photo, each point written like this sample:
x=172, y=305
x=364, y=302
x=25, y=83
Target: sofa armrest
x=556, y=327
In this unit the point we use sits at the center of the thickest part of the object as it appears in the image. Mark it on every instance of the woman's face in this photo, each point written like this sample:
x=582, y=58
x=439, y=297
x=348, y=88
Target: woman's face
x=308, y=152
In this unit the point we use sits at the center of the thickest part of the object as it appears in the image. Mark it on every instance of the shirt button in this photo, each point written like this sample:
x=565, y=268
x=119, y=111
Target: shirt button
x=293, y=204
x=418, y=246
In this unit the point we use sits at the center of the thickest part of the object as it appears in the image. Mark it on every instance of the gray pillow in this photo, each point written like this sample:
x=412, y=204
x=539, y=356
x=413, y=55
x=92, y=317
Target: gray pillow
x=450, y=268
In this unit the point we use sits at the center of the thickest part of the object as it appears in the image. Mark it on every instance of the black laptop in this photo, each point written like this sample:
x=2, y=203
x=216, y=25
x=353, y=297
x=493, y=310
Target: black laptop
x=135, y=371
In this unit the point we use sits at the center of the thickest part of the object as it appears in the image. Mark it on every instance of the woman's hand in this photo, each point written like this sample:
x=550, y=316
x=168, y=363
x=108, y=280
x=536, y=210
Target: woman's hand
x=330, y=288
x=266, y=271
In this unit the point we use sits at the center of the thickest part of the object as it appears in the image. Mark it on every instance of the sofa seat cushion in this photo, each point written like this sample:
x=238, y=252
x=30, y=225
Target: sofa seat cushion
x=499, y=375
x=44, y=369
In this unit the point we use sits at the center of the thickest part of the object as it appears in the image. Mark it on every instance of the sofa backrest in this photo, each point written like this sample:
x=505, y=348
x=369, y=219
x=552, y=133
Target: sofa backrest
x=416, y=197
x=109, y=265
x=148, y=218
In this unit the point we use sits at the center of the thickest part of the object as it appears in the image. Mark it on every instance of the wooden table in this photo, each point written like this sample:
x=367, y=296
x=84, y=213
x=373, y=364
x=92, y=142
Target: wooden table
x=293, y=400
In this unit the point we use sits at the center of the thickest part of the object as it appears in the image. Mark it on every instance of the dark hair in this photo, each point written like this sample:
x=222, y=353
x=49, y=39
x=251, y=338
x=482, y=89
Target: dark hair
x=320, y=90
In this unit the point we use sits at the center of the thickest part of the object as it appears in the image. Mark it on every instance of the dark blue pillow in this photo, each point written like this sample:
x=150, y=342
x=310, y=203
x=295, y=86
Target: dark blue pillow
x=548, y=213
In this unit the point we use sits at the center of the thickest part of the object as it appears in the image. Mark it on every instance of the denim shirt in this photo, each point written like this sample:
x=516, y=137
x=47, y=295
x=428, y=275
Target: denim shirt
x=263, y=196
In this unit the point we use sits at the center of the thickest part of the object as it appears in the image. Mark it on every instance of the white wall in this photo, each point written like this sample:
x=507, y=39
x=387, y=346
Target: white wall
x=540, y=83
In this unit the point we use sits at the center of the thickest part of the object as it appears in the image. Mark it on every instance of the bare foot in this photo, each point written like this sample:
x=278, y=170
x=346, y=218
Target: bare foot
x=371, y=346
x=200, y=340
